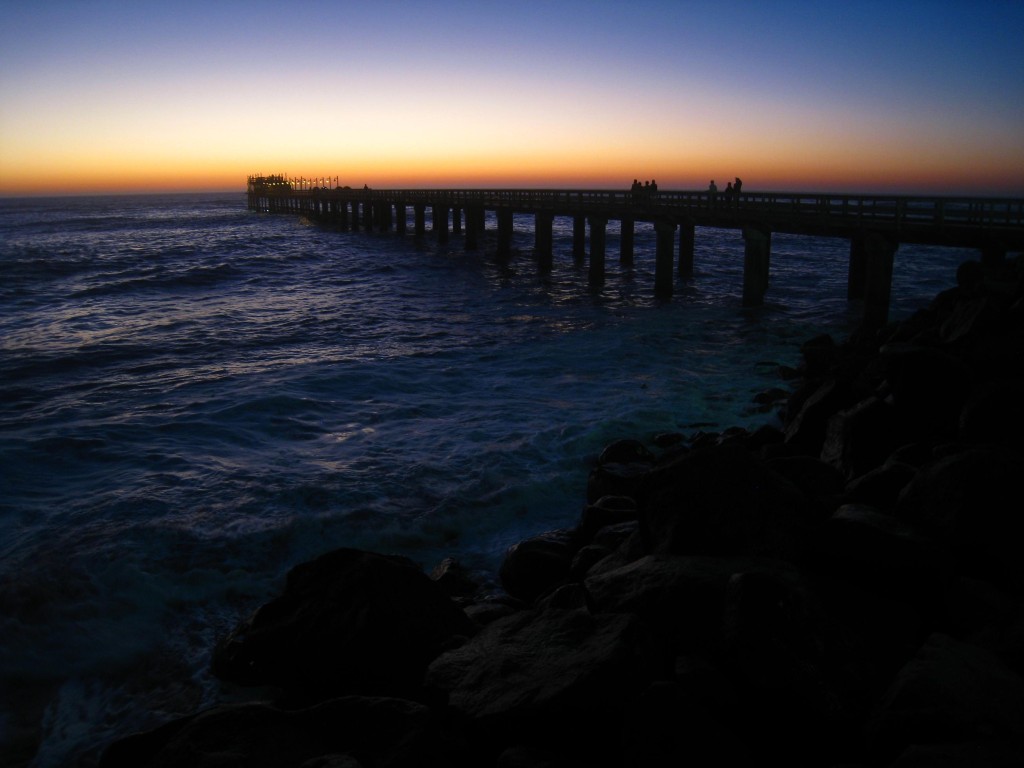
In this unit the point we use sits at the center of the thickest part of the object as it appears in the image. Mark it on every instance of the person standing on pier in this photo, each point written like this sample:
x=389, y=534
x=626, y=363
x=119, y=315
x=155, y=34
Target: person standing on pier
x=712, y=193
x=737, y=186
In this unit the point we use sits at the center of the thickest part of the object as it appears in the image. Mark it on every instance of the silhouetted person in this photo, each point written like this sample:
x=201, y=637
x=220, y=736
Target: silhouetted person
x=728, y=192
x=738, y=185
x=654, y=186
x=712, y=192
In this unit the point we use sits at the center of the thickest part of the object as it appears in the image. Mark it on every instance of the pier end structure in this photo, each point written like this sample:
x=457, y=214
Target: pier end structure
x=875, y=225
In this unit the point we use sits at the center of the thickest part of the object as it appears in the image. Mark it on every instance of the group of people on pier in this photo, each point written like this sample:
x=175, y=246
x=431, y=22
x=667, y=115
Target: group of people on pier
x=732, y=190
x=643, y=190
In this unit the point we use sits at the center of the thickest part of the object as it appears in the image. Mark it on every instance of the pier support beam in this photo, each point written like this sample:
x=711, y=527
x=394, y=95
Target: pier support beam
x=439, y=221
x=626, y=243
x=879, y=254
x=665, y=234
x=419, y=216
x=368, y=216
x=474, y=227
x=456, y=220
x=686, y=238
x=756, y=256
x=504, y=232
x=579, y=239
x=401, y=220
x=858, y=268
x=382, y=215
x=355, y=216
x=543, y=240
x=597, y=249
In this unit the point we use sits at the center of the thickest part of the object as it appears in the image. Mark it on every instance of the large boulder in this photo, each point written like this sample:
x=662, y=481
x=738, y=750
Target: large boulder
x=722, y=501
x=882, y=554
x=950, y=691
x=683, y=598
x=348, y=731
x=554, y=676
x=969, y=501
x=349, y=621
x=860, y=438
x=538, y=564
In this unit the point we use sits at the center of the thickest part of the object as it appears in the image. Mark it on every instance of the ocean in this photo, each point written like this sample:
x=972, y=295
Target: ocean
x=195, y=397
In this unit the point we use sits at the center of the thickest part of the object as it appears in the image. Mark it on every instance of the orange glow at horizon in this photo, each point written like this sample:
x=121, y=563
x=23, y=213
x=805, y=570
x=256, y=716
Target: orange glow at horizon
x=195, y=97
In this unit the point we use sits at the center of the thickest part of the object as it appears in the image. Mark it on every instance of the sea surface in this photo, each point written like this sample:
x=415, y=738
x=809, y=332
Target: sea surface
x=195, y=397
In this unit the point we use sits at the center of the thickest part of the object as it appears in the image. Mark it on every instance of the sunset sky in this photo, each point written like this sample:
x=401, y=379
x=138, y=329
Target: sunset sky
x=889, y=96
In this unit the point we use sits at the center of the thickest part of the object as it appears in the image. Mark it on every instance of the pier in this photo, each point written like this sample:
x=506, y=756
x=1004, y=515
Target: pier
x=874, y=225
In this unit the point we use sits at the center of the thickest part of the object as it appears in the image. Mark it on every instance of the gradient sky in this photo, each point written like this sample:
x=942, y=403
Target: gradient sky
x=845, y=96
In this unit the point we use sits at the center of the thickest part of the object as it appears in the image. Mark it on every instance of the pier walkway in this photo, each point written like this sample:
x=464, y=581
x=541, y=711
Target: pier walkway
x=875, y=225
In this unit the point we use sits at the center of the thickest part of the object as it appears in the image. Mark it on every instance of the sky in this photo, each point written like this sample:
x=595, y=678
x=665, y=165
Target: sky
x=890, y=97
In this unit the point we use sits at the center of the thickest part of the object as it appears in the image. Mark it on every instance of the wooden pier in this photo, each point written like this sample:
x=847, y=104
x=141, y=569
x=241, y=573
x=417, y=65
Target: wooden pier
x=875, y=225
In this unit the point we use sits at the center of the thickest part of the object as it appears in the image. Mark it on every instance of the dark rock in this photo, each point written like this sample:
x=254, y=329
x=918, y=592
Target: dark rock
x=882, y=554
x=483, y=612
x=969, y=501
x=348, y=731
x=681, y=597
x=808, y=419
x=722, y=501
x=607, y=510
x=626, y=452
x=669, y=439
x=860, y=438
x=928, y=389
x=614, y=536
x=453, y=578
x=950, y=692
x=674, y=725
x=587, y=558
x=615, y=480
x=819, y=354
x=817, y=479
x=881, y=487
x=552, y=674
x=538, y=564
x=349, y=621
x=994, y=414
x=970, y=754
x=774, y=643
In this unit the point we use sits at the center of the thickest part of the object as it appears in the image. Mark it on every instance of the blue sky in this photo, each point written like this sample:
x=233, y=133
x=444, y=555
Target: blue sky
x=855, y=96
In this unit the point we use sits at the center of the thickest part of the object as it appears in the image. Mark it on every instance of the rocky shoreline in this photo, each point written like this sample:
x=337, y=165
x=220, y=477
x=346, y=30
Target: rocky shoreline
x=845, y=591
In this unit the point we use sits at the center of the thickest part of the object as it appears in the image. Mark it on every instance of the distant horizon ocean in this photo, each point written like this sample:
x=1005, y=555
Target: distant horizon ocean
x=195, y=397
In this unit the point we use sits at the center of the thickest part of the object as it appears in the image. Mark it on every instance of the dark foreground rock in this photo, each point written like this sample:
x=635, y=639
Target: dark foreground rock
x=845, y=591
